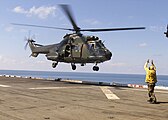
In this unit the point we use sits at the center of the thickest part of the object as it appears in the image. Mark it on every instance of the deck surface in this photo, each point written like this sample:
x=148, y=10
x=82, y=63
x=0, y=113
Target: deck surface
x=29, y=99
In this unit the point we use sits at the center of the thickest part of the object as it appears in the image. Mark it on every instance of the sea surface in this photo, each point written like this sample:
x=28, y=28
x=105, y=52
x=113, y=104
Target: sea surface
x=96, y=77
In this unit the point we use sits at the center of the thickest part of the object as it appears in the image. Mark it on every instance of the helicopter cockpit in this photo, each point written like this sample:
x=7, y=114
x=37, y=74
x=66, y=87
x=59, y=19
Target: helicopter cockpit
x=94, y=42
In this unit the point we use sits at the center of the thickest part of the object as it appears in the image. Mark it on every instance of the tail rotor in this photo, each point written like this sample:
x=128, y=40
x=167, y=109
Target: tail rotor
x=29, y=39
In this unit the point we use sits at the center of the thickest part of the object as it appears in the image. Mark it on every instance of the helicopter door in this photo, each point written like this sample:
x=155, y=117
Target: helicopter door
x=76, y=51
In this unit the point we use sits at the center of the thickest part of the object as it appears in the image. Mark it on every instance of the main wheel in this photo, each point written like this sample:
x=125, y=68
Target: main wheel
x=54, y=64
x=95, y=68
x=73, y=66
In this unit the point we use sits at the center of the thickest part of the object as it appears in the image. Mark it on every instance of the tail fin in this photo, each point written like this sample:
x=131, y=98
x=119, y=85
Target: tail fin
x=32, y=47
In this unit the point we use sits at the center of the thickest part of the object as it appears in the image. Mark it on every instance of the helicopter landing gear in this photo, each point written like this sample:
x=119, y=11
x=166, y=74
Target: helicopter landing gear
x=95, y=68
x=73, y=66
x=82, y=64
x=54, y=64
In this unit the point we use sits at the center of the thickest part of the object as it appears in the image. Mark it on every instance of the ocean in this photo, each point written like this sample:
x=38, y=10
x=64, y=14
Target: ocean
x=96, y=77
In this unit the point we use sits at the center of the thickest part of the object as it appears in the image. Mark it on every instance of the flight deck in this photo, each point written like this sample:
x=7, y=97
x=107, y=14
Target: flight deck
x=41, y=99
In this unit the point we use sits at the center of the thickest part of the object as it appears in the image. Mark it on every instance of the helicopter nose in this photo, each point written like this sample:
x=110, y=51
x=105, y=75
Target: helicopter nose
x=108, y=55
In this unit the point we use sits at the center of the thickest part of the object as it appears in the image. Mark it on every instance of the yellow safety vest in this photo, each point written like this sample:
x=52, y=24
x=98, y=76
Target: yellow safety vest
x=151, y=76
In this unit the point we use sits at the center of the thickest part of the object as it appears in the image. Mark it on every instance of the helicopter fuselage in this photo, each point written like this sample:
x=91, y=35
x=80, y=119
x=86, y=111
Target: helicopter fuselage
x=74, y=49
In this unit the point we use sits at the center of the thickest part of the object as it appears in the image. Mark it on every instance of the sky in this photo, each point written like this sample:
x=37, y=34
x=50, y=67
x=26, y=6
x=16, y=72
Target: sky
x=130, y=49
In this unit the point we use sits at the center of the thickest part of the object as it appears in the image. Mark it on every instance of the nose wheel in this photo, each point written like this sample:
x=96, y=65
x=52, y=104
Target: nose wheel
x=95, y=68
x=54, y=64
x=73, y=66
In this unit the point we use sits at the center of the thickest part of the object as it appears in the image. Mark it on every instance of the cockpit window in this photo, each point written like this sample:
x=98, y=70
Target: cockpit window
x=95, y=45
x=99, y=44
x=94, y=42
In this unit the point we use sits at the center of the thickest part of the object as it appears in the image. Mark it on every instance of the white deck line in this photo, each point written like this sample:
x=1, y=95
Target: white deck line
x=4, y=85
x=109, y=94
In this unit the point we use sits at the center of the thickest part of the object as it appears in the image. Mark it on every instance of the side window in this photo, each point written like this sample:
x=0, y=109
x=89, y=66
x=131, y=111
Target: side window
x=76, y=48
x=91, y=45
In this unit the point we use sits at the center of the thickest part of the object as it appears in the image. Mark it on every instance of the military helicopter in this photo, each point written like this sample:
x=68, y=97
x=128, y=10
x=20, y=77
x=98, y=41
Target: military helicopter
x=166, y=33
x=75, y=48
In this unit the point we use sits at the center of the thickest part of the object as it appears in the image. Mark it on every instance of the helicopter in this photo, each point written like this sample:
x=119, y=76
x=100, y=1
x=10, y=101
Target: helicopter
x=166, y=33
x=75, y=48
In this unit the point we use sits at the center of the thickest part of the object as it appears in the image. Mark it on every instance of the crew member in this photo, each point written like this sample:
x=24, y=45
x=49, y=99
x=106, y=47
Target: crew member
x=67, y=50
x=151, y=80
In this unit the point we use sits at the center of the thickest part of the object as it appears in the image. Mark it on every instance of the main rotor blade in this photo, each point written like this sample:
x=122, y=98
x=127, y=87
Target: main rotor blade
x=111, y=29
x=68, y=13
x=42, y=26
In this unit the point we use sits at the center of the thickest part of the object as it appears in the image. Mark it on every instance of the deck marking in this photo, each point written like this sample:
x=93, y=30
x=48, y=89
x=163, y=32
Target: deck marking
x=109, y=94
x=4, y=85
